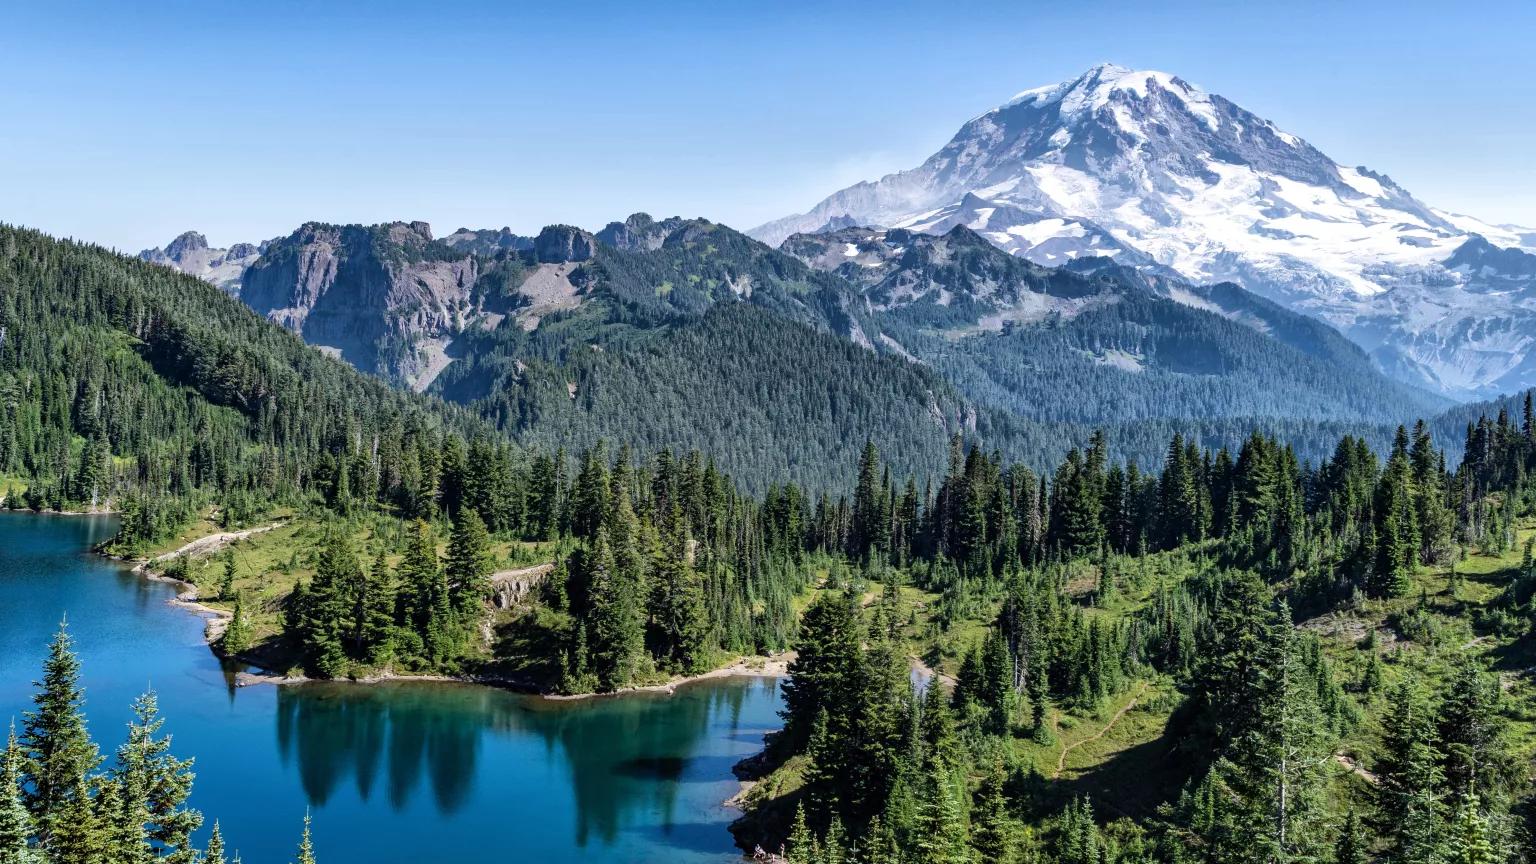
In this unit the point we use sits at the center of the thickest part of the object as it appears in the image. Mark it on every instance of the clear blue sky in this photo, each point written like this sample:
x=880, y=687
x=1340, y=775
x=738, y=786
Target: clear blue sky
x=126, y=123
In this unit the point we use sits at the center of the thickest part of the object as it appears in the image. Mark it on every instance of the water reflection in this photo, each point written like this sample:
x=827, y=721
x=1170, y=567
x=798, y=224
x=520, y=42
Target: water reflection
x=624, y=760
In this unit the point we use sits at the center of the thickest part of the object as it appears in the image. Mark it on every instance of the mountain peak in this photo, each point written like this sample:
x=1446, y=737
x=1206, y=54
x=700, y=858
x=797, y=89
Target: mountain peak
x=1147, y=168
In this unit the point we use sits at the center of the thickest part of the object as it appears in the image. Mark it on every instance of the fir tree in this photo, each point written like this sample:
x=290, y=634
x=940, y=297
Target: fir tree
x=994, y=836
x=59, y=753
x=306, y=844
x=158, y=783
x=942, y=837
x=214, y=853
x=227, y=584
x=15, y=821
x=801, y=847
x=615, y=633
x=469, y=564
x=76, y=833
x=237, y=634
x=1352, y=846
x=1470, y=841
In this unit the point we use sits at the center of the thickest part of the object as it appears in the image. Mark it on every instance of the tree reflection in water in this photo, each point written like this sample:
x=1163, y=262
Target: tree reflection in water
x=624, y=756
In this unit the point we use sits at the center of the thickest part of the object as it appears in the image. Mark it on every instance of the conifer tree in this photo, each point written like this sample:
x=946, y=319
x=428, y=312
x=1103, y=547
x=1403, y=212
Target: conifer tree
x=1411, y=789
x=227, y=584
x=76, y=833
x=678, y=614
x=158, y=783
x=994, y=835
x=942, y=837
x=237, y=634
x=1470, y=841
x=122, y=813
x=1352, y=846
x=469, y=564
x=614, y=631
x=214, y=853
x=306, y=844
x=15, y=821
x=59, y=753
x=801, y=847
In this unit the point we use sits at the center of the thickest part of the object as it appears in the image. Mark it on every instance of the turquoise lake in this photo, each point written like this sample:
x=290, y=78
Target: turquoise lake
x=394, y=772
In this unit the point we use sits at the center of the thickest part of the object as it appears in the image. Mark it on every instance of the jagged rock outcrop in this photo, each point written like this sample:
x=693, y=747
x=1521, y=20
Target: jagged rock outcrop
x=488, y=242
x=560, y=244
x=191, y=254
x=638, y=233
x=371, y=293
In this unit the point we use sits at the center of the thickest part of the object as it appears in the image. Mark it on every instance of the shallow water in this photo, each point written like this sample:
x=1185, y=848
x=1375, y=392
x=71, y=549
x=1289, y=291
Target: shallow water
x=391, y=772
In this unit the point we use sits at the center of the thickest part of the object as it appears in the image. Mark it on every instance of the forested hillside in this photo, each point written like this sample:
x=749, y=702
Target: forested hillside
x=1237, y=660
x=132, y=386
x=688, y=334
x=1208, y=653
x=1126, y=345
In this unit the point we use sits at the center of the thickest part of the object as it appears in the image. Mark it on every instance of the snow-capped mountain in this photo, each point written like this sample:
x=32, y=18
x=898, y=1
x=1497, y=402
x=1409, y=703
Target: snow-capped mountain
x=1152, y=171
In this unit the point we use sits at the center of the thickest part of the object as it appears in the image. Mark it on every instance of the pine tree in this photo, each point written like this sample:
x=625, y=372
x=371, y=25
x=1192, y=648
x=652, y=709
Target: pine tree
x=306, y=844
x=1352, y=847
x=469, y=564
x=994, y=837
x=59, y=751
x=158, y=783
x=1469, y=841
x=214, y=854
x=15, y=821
x=237, y=634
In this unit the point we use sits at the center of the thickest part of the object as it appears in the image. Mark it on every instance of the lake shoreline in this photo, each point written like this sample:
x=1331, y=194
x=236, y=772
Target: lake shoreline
x=217, y=620
x=755, y=666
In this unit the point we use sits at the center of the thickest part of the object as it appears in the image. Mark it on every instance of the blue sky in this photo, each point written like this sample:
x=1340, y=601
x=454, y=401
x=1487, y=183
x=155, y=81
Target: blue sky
x=126, y=123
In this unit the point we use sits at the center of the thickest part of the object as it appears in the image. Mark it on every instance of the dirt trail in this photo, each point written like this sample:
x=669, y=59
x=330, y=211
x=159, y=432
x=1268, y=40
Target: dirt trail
x=1061, y=761
x=206, y=545
x=932, y=673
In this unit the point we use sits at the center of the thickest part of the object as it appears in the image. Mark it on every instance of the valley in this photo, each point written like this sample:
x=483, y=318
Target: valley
x=1129, y=482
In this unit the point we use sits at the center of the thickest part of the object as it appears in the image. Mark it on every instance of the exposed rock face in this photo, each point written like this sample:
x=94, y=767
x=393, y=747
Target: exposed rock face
x=191, y=254
x=638, y=233
x=488, y=242
x=559, y=244
x=372, y=293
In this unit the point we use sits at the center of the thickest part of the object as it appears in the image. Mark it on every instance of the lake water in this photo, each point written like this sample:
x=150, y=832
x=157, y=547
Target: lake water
x=391, y=773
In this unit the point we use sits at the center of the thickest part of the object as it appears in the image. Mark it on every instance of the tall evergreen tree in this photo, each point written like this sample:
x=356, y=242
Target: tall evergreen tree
x=15, y=821
x=158, y=783
x=469, y=563
x=59, y=752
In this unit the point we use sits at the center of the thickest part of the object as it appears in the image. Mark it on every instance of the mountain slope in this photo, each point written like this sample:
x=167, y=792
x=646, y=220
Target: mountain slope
x=1099, y=342
x=1150, y=170
x=105, y=356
